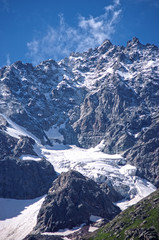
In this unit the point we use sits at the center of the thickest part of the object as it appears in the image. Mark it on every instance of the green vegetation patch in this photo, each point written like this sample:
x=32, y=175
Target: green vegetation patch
x=133, y=221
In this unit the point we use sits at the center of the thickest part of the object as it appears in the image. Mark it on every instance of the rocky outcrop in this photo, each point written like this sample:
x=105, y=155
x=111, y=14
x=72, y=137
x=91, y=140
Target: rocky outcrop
x=24, y=146
x=22, y=179
x=137, y=222
x=112, y=194
x=15, y=147
x=25, y=179
x=145, y=153
x=71, y=201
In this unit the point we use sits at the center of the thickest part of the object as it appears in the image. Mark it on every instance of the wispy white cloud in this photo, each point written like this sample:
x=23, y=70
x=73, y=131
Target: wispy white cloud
x=8, y=61
x=90, y=32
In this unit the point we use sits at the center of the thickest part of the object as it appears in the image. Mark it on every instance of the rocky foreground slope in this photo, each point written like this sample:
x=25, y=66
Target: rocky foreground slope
x=71, y=201
x=140, y=221
x=109, y=93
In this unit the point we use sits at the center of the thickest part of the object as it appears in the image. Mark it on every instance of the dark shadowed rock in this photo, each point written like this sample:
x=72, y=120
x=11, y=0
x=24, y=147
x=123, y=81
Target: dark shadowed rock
x=42, y=237
x=25, y=179
x=112, y=194
x=24, y=146
x=71, y=201
x=13, y=147
x=7, y=144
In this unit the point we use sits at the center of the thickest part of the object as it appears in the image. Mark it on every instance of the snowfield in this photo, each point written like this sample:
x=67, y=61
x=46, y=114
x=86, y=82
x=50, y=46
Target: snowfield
x=18, y=217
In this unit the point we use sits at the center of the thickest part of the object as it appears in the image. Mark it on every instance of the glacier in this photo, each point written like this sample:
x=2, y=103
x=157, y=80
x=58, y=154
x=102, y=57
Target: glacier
x=92, y=163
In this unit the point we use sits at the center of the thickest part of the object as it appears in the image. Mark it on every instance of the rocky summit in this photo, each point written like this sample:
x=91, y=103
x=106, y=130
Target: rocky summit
x=71, y=201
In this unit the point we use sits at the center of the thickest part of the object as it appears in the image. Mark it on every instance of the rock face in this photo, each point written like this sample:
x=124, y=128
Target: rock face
x=14, y=146
x=25, y=179
x=7, y=144
x=24, y=146
x=109, y=93
x=112, y=194
x=145, y=154
x=71, y=201
x=21, y=179
x=137, y=222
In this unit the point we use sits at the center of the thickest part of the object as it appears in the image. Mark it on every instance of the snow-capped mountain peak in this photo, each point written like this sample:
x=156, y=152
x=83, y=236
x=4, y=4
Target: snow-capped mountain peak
x=95, y=112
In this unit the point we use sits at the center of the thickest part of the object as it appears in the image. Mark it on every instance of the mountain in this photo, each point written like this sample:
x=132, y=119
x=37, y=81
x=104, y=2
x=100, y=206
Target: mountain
x=94, y=112
x=137, y=222
x=109, y=93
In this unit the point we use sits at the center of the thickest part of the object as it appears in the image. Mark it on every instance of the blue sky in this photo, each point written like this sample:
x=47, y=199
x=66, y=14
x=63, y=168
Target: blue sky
x=35, y=30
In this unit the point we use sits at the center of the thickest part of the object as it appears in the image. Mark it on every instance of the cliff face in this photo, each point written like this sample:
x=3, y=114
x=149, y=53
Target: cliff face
x=25, y=179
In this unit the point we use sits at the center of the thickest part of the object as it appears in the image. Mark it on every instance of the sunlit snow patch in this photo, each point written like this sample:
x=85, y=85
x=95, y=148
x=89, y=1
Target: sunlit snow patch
x=92, y=229
x=128, y=170
x=65, y=232
x=16, y=130
x=30, y=158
